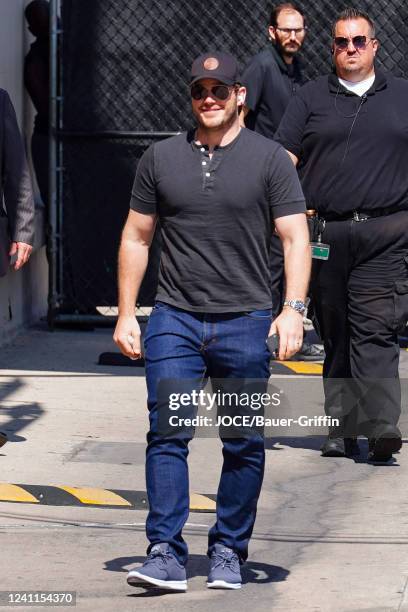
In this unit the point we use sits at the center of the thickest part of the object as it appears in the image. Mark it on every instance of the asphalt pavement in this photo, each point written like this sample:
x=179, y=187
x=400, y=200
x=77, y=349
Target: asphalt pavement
x=331, y=534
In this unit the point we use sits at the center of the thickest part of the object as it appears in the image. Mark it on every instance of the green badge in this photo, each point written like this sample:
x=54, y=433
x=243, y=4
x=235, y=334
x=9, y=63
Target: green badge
x=320, y=250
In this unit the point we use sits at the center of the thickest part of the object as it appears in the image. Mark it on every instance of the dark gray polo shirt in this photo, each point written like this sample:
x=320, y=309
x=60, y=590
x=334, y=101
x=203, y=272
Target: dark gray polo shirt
x=216, y=218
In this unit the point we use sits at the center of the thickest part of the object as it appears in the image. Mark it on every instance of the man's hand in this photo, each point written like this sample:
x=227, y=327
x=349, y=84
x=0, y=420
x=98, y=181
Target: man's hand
x=23, y=251
x=289, y=327
x=127, y=337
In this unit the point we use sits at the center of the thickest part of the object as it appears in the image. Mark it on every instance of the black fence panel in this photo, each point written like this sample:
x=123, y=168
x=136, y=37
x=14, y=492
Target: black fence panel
x=97, y=185
x=125, y=67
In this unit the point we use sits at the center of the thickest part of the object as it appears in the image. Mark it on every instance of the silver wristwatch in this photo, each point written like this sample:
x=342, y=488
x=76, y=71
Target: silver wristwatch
x=297, y=305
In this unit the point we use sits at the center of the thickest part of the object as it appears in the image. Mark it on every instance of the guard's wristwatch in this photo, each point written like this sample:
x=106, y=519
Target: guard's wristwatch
x=297, y=305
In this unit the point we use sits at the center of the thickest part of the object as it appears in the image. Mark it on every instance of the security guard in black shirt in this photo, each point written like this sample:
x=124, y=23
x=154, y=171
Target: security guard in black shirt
x=348, y=134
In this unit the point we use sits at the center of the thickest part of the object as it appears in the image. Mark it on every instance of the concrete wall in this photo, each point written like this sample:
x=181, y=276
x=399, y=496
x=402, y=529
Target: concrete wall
x=23, y=294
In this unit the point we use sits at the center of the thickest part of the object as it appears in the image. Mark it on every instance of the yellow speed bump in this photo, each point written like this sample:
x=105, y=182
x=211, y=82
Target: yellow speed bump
x=201, y=503
x=303, y=367
x=14, y=493
x=96, y=497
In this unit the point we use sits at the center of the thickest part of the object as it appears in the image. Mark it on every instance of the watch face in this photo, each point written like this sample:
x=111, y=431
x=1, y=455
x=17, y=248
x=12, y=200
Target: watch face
x=297, y=305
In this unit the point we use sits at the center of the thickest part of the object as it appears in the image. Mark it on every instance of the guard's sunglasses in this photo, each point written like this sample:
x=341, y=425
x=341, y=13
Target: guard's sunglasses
x=359, y=42
x=219, y=92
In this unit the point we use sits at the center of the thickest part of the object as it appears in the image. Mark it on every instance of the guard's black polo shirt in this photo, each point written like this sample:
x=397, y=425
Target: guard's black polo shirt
x=270, y=83
x=216, y=218
x=353, y=150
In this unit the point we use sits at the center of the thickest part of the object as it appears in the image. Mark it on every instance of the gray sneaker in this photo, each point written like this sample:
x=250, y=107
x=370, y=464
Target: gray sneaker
x=161, y=570
x=225, y=572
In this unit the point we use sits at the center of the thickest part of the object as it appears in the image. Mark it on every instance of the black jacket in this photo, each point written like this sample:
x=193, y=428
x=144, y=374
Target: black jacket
x=17, y=212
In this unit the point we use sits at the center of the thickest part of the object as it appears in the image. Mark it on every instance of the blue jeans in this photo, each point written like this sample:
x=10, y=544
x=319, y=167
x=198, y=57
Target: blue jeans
x=185, y=345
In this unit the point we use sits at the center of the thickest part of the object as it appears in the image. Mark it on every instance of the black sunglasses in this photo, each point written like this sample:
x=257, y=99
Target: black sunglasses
x=220, y=92
x=359, y=42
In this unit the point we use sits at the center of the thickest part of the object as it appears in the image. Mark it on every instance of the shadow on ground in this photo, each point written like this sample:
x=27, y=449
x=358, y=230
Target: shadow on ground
x=15, y=415
x=315, y=442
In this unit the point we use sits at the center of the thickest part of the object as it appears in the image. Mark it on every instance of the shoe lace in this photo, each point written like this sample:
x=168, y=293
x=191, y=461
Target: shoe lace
x=164, y=556
x=226, y=559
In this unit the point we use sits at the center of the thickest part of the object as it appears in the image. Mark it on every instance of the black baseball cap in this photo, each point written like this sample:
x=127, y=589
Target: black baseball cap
x=217, y=65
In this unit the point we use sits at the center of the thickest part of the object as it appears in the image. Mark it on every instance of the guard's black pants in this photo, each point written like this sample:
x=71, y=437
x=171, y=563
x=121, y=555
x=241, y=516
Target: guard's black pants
x=360, y=300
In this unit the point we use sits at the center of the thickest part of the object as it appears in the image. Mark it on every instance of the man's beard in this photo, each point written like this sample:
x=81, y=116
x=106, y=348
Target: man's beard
x=227, y=122
x=285, y=51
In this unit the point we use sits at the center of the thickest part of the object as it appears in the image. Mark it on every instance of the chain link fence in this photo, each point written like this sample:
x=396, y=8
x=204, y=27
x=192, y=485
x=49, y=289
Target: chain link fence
x=125, y=69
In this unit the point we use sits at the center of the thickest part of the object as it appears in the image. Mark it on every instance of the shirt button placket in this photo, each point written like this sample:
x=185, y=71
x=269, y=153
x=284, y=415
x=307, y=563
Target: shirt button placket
x=204, y=164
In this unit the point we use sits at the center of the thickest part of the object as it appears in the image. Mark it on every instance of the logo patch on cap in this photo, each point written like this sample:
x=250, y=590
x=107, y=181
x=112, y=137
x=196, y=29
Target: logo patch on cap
x=211, y=63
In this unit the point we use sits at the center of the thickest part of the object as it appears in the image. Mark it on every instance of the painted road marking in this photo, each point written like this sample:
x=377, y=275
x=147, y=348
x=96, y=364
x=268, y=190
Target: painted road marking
x=15, y=493
x=304, y=367
x=96, y=497
x=91, y=497
x=201, y=503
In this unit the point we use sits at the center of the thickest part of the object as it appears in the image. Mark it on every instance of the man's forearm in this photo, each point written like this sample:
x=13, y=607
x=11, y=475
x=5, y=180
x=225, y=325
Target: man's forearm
x=289, y=324
x=137, y=237
x=298, y=263
x=133, y=257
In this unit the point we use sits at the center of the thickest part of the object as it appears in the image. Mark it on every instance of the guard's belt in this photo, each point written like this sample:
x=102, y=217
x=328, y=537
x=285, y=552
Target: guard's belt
x=360, y=215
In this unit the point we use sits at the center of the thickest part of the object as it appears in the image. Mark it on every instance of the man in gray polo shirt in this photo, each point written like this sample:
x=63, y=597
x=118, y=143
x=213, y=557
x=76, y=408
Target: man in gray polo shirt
x=217, y=192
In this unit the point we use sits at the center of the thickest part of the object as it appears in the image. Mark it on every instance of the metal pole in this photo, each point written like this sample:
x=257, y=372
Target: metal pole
x=52, y=168
x=60, y=159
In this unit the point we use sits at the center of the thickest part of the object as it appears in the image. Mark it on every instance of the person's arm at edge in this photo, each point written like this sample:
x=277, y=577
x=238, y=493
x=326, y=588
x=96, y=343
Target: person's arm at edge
x=293, y=231
x=136, y=239
x=18, y=193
